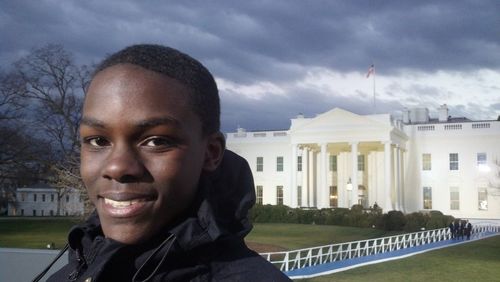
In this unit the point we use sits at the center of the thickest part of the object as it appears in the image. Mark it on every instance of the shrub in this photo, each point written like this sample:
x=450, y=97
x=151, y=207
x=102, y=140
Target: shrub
x=438, y=220
x=393, y=220
x=356, y=217
x=416, y=221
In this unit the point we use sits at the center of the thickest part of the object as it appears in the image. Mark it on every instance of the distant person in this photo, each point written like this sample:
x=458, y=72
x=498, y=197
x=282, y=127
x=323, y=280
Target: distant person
x=452, y=230
x=468, y=230
x=462, y=229
x=171, y=203
x=456, y=228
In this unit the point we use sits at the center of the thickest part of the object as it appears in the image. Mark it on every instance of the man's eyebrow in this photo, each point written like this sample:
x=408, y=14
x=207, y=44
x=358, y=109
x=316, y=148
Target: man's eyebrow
x=92, y=122
x=148, y=123
x=152, y=122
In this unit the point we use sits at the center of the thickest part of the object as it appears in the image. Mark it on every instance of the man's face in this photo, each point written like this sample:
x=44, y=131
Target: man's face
x=142, y=151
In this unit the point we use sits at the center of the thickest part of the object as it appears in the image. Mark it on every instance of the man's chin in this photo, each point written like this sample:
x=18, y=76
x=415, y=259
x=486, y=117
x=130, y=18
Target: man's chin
x=127, y=233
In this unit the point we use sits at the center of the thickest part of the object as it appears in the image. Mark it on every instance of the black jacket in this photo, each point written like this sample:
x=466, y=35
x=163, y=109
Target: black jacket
x=206, y=245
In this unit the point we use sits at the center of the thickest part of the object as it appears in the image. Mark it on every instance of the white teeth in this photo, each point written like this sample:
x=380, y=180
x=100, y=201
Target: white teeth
x=119, y=204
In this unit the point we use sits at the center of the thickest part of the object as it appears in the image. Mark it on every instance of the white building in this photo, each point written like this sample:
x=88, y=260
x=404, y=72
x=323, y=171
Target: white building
x=339, y=158
x=44, y=201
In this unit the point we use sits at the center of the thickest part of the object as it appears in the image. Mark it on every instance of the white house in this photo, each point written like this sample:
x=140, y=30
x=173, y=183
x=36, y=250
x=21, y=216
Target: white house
x=44, y=201
x=339, y=158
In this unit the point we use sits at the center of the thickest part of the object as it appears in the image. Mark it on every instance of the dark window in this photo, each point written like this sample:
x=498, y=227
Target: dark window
x=260, y=163
x=279, y=164
x=454, y=161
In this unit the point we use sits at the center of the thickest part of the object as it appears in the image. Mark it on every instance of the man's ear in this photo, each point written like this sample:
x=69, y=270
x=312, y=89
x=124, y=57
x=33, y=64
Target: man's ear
x=216, y=144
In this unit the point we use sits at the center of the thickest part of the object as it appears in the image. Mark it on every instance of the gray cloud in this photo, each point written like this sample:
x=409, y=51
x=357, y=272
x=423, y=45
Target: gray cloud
x=273, y=40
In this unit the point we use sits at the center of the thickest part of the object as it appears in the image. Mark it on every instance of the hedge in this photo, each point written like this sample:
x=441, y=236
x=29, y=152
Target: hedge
x=356, y=216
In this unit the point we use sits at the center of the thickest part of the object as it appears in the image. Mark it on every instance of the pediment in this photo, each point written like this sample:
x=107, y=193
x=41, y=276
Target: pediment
x=337, y=120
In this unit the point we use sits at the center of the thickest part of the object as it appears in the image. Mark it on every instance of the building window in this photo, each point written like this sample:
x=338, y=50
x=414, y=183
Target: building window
x=260, y=164
x=333, y=197
x=299, y=195
x=51, y=213
x=279, y=195
x=454, y=198
x=22, y=211
x=482, y=196
x=259, y=193
x=453, y=161
x=34, y=212
x=51, y=197
x=279, y=164
x=23, y=197
x=427, y=198
x=481, y=158
x=43, y=197
x=299, y=163
x=361, y=163
x=34, y=197
x=43, y=212
x=67, y=198
x=426, y=162
x=333, y=163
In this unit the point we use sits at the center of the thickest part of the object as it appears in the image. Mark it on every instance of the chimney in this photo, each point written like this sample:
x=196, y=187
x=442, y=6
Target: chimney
x=443, y=113
x=406, y=115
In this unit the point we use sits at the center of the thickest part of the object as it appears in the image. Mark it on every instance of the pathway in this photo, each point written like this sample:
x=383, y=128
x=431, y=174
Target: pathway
x=329, y=268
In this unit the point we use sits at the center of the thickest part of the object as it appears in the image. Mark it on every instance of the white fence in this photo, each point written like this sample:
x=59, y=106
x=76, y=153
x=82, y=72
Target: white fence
x=301, y=258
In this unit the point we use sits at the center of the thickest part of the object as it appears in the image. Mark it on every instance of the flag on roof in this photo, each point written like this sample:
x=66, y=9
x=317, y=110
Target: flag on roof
x=371, y=70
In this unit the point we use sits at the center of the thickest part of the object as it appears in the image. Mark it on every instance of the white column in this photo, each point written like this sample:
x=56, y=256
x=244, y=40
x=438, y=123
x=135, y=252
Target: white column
x=403, y=156
x=387, y=176
x=322, y=188
x=397, y=170
x=293, y=185
x=354, y=176
x=312, y=173
x=305, y=177
x=401, y=180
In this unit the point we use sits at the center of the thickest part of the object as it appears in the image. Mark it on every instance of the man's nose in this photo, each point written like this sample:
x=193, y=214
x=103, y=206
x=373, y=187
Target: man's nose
x=124, y=165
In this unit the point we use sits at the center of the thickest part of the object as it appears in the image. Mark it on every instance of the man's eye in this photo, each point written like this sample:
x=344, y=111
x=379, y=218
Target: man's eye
x=98, y=142
x=157, y=142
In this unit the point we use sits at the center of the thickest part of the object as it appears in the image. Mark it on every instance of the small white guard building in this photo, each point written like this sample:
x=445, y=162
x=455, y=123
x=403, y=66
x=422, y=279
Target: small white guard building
x=43, y=200
x=339, y=158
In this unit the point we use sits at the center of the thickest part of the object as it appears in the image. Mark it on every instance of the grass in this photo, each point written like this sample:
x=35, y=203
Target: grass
x=475, y=261
x=34, y=233
x=296, y=236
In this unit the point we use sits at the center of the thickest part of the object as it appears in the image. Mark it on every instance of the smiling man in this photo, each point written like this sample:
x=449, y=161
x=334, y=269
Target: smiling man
x=171, y=202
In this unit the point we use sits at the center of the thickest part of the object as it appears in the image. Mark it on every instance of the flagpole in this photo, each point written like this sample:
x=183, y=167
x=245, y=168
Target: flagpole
x=374, y=99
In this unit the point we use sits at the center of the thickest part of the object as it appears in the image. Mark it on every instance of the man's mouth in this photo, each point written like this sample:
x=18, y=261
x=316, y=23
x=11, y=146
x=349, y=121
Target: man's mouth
x=120, y=204
x=126, y=207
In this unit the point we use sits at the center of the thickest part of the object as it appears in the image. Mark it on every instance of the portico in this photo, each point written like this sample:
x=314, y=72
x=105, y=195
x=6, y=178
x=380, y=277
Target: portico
x=342, y=164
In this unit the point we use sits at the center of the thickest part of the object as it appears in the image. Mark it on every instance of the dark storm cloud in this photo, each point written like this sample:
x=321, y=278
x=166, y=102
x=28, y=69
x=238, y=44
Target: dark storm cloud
x=248, y=42
x=255, y=40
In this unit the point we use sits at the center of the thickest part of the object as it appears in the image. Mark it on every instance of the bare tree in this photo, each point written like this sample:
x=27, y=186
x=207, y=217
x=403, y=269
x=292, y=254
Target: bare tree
x=54, y=88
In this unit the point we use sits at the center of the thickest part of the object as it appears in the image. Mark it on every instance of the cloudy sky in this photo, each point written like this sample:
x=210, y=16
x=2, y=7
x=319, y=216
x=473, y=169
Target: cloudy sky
x=273, y=59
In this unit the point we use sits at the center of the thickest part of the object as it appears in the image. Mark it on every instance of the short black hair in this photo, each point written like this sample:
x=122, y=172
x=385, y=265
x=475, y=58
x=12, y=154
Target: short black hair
x=181, y=67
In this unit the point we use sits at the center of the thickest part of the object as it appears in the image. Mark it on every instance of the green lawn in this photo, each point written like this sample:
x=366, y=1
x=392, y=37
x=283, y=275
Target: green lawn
x=475, y=261
x=34, y=233
x=37, y=233
x=296, y=236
